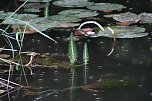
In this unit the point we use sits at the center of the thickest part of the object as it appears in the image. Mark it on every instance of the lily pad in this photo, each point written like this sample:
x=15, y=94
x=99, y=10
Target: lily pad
x=25, y=17
x=125, y=17
x=34, y=5
x=41, y=24
x=64, y=18
x=32, y=10
x=22, y=17
x=80, y=13
x=124, y=32
x=4, y=15
x=12, y=22
x=145, y=17
x=37, y=0
x=106, y=6
x=72, y=3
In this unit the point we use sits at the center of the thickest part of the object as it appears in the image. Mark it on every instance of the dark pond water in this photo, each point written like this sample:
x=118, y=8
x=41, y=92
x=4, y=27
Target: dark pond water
x=131, y=61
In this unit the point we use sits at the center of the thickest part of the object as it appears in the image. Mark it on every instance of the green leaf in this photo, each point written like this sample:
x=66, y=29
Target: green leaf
x=124, y=32
x=145, y=17
x=37, y=0
x=106, y=6
x=125, y=17
x=72, y=50
x=72, y=3
x=85, y=54
x=80, y=13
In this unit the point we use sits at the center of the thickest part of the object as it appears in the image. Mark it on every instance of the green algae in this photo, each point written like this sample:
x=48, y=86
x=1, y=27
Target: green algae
x=108, y=84
x=42, y=62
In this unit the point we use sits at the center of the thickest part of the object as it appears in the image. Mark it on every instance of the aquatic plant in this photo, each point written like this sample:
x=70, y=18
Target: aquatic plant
x=123, y=32
x=46, y=11
x=72, y=3
x=19, y=37
x=73, y=57
x=145, y=17
x=72, y=50
x=85, y=62
x=106, y=7
x=37, y=0
x=79, y=13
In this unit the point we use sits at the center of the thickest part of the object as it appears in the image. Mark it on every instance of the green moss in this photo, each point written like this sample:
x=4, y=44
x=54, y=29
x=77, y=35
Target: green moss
x=51, y=62
x=108, y=84
x=41, y=62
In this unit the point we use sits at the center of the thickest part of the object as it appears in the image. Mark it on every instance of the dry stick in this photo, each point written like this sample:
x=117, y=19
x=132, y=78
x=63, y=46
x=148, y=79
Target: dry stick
x=6, y=85
x=17, y=64
x=10, y=82
x=32, y=55
x=114, y=40
x=91, y=22
x=96, y=23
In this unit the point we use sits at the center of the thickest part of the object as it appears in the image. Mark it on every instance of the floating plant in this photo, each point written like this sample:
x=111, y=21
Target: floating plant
x=24, y=17
x=4, y=15
x=145, y=17
x=39, y=23
x=32, y=10
x=36, y=0
x=126, y=18
x=85, y=62
x=80, y=13
x=34, y=5
x=64, y=18
x=72, y=50
x=72, y=53
x=72, y=3
x=124, y=32
x=106, y=7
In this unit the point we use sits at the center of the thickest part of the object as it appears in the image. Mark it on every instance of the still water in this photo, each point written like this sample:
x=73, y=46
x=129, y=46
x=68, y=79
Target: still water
x=131, y=61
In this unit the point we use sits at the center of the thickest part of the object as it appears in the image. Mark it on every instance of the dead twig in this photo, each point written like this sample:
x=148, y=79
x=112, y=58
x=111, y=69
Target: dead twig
x=28, y=65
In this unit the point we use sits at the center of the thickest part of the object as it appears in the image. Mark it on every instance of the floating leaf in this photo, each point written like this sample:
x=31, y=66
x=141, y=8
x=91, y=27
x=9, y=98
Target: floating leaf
x=24, y=17
x=32, y=10
x=124, y=32
x=72, y=3
x=37, y=0
x=126, y=17
x=4, y=15
x=12, y=22
x=34, y=5
x=145, y=17
x=39, y=23
x=80, y=13
x=64, y=18
x=106, y=6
